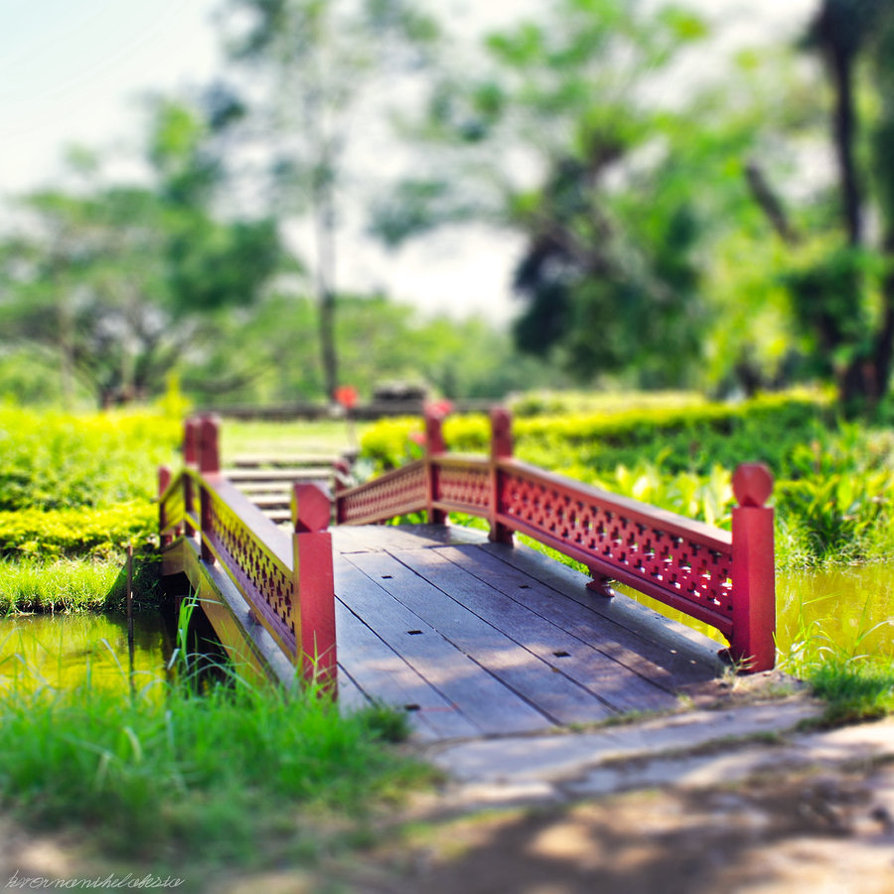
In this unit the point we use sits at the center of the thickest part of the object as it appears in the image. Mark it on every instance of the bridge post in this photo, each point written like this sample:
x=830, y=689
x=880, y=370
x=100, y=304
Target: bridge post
x=342, y=471
x=190, y=460
x=209, y=463
x=500, y=448
x=164, y=481
x=753, y=571
x=313, y=587
x=434, y=446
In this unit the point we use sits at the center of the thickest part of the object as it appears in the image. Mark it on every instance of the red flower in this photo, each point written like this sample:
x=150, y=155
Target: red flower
x=440, y=407
x=346, y=395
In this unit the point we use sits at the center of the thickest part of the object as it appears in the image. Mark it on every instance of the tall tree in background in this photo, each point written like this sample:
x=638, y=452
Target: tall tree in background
x=317, y=62
x=840, y=275
x=122, y=280
x=566, y=136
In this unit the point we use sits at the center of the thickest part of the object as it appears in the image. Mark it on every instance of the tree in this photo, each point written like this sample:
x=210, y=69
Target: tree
x=838, y=277
x=317, y=62
x=122, y=280
x=559, y=139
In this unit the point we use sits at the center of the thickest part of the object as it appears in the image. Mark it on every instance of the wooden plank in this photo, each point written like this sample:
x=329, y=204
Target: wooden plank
x=351, y=697
x=667, y=667
x=370, y=538
x=282, y=500
x=385, y=676
x=479, y=696
x=553, y=694
x=612, y=682
x=687, y=645
x=262, y=487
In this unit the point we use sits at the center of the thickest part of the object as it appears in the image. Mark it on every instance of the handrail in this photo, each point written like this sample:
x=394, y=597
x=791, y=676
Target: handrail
x=723, y=579
x=288, y=585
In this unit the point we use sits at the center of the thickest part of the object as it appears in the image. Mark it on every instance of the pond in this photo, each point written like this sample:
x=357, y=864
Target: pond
x=65, y=650
x=852, y=608
x=845, y=611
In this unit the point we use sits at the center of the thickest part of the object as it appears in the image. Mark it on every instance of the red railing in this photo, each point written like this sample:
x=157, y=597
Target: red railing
x=287, y=582
x=723, y=579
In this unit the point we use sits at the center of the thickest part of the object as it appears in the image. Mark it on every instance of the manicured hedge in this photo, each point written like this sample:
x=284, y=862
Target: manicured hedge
x=77, y=532
x=52, y=460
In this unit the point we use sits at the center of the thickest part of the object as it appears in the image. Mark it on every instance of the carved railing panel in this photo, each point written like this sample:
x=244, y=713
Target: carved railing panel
x=264, y=580
x=462, y=483
x=172, y=510
x=681, y=562
x=395, y=493
x=287, y=581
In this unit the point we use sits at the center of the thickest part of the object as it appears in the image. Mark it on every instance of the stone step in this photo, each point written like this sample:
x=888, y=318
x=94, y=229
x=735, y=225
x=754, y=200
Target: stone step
x=272, y=501
x=258, y=460
x=258, y=488
x=285, y=475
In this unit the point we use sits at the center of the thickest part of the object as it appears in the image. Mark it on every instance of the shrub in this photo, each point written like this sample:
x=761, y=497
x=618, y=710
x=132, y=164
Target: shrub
x=55, y=460
x=77, y=532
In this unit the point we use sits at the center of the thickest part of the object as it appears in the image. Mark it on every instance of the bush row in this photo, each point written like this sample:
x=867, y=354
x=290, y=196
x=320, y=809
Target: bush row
x=78, y=532
x=833, y=480
x=53, y=460
x=690, y=437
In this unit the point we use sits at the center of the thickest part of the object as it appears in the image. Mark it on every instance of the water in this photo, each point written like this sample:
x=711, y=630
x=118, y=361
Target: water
x=64, y=650
x=851, y=609
x=845, y=612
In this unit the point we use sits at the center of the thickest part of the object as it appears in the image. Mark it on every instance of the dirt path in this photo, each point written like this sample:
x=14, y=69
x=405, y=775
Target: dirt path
x=819, y=832
x=784, y=814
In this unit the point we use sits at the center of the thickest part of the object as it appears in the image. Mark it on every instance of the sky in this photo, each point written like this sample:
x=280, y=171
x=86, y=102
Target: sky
x=73, y=72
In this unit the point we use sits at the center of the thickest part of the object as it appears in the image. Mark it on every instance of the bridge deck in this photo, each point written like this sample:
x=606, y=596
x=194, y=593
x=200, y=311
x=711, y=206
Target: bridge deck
x=475, y=638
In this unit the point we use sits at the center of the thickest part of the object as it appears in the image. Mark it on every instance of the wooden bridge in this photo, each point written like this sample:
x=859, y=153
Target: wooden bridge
x=470, y=633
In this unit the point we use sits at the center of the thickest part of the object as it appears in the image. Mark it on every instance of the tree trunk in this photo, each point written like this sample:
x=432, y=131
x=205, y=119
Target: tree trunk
x=324, y=226
x=860, y=382
x=844, y=135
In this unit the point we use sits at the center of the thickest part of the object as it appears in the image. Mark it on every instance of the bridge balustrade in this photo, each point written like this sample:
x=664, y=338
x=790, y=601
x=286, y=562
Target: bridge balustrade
x=287, y=582
x=724, y=579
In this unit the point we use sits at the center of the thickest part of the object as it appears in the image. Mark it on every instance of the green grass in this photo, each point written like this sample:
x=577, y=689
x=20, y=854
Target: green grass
x=854, y=691
x=849, y=666
x=236, y=775
x=34, y=584
x=324, y=436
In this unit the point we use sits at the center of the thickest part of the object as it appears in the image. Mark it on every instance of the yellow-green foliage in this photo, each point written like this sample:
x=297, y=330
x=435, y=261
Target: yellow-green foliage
x=51, y=460
x=832, y=480
x=77, y=532
x=78, y=485
x=693, y=436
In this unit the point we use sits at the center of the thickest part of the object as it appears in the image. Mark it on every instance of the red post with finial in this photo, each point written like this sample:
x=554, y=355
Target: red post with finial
x=342, y=471
x=434, y=446
x=191, y=461
x=753, y=572
x=164, y=481
x=209, y=464
x=313, y=587
x=500, y=448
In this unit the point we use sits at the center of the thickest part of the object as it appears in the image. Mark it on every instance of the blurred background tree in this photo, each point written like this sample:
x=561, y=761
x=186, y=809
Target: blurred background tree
x=676, y=223
x=566, y=133
x=315, y=63
x=838, y=270
x=121, y=281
